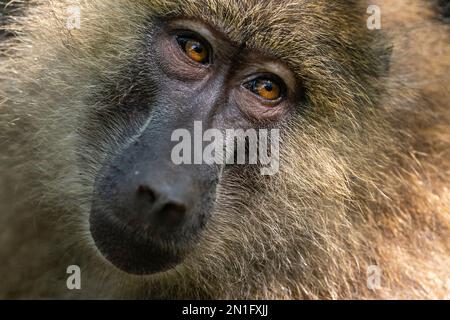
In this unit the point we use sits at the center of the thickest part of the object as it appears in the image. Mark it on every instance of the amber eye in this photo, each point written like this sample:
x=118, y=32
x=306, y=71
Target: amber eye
x=265, y=88
x=194, y=49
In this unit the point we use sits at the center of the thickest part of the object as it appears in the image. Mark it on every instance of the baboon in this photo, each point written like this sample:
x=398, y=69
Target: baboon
x=86, y=113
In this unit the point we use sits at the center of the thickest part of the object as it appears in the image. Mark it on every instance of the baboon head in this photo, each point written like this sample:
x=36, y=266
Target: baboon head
x=226, y=65
x=135, y=72
x=147, y=211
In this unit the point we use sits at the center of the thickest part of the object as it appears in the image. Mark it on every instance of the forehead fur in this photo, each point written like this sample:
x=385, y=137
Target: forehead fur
x=283, y=28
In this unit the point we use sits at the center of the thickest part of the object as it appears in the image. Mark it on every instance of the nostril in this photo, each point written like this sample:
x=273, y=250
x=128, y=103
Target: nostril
x=172, y=214
x=146, y=193
x=160, y=211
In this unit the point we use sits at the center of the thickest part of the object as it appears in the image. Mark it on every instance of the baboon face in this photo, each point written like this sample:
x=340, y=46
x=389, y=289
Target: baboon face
x=231, y=65
x=147, y=212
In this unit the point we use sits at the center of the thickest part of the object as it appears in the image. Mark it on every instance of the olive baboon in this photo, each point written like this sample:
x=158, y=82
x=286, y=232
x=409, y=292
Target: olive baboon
x=86, y=116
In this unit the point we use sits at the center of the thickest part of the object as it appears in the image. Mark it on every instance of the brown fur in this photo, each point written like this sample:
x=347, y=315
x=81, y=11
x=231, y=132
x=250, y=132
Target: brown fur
x=364, y=172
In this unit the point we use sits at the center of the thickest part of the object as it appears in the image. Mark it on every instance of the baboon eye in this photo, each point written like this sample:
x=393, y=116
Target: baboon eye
x=194, y=48
x=266, y=88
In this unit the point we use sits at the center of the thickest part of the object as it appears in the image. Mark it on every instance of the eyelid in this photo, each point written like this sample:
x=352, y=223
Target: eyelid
x=188, y=26
x=276, y=70
x=267, y=76
x=188, y=34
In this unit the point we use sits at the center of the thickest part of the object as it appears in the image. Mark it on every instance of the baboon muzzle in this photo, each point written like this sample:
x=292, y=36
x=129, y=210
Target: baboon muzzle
x=148, y=212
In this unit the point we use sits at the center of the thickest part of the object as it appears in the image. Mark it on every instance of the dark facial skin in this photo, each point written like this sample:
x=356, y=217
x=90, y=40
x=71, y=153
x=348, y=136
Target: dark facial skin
x=148, y=212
